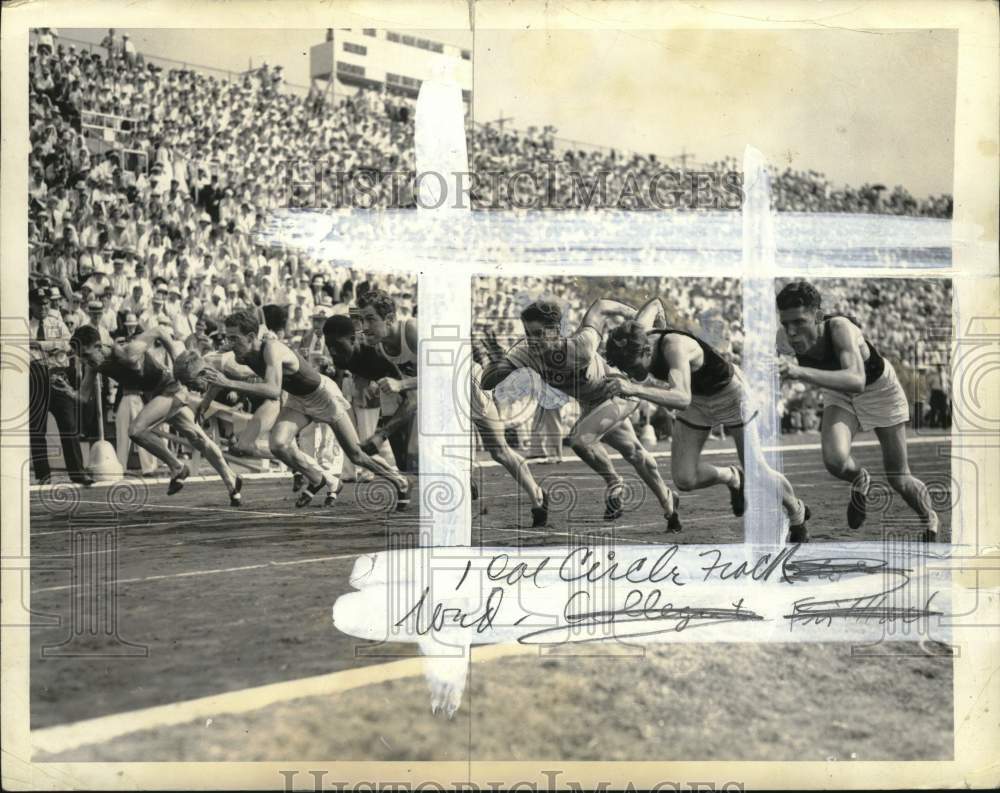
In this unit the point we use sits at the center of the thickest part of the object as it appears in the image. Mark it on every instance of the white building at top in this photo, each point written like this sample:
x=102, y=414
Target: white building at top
x=377, y=58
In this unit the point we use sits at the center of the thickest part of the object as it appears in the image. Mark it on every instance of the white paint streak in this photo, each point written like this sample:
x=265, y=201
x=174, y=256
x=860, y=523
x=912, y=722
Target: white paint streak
x=445, y=301
x=765, y=523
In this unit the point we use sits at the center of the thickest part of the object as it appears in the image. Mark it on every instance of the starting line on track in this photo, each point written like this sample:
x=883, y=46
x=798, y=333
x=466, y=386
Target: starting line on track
x=797, y=447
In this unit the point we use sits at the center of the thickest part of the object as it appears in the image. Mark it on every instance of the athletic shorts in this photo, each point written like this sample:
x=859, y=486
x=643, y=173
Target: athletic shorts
x=732, y=406
x=881, y=404
x=325, y=404
x=171, y=388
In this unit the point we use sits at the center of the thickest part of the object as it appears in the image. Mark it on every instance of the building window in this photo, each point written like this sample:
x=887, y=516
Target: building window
x=392, y=36
x=392, y=79
x=466, y=96
x=466, y=55
x=350, y=68
x=436, y=47
x=357, y=49
x=369, y=32
x=409, y=41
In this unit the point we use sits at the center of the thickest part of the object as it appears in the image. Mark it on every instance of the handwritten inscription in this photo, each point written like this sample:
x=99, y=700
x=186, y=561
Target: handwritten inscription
x=587, y=594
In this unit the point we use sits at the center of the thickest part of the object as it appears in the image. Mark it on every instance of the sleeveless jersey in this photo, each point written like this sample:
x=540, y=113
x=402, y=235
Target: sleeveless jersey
x=824, y=356
x=150, y=377
x=406, y=360
x=300, y=383
x=372, y=364
x=579, y=374
x=715, y=372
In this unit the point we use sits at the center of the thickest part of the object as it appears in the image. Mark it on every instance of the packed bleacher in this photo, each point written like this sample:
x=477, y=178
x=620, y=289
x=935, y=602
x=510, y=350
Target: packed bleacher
x=176, y=244
x=271, y=147
x=150, y=190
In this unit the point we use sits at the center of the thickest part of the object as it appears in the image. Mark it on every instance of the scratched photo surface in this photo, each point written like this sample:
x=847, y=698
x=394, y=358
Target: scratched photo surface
x=636, y=586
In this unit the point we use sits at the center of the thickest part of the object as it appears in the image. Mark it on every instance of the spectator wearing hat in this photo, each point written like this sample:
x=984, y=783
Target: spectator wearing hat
x=186, y=319
x=50, y=391
x=203, y=233
x=136, y=302
x=194, y=294
x=155, y=314
x=236, y=297
x=120, y=282
x=313, y=343
x=91, y=260
x=75, y=314
x=217, y=308
x=96, y=317
x=174, y=304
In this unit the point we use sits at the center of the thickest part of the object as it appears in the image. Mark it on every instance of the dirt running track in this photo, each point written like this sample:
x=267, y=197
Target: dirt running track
x=215, y=599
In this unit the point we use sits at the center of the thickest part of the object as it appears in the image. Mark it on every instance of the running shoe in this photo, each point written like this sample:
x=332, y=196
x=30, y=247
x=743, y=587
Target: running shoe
x=799, y=533
x=177, y=480
x=540, y=515
x=235, y=498
x=308, y=492
x=403, y=498
x=613, y=501
x=857, y=510
x=332, y=495
x=737, y=495
x=673, y=519
x=931, y=532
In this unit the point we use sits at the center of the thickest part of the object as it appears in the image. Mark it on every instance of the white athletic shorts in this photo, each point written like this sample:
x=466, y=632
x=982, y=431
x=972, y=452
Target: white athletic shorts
x=325, y=404
x=881, y=404
x=732, y=407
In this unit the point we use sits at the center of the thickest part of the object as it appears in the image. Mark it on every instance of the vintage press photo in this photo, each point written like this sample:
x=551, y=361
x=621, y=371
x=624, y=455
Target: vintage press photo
x=696, y=466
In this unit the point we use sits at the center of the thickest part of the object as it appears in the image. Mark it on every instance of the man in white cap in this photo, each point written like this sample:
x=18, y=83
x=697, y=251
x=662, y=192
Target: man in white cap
x=95, y=317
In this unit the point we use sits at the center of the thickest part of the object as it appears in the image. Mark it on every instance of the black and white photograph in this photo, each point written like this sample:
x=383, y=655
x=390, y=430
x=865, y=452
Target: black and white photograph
x=693, y=487
x=580, y=396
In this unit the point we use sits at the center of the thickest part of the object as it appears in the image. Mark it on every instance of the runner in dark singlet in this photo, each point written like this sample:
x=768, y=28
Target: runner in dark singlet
x=396, y=340
x=691, y=377
x=311, y=397
x=134, y=368
x=573, y=365
x=860, y=392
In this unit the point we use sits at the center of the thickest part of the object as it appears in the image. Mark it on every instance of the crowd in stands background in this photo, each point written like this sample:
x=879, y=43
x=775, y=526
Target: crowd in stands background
x=149, y=189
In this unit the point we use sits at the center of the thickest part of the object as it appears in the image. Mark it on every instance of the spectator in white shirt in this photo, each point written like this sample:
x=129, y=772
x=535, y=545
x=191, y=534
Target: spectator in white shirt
x=217, y=308
x=120, y=281
x=186, y=320
x=155, y=315
x=95, y=317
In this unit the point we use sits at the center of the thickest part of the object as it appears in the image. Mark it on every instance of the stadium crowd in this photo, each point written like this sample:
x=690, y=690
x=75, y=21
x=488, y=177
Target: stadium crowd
x=253, y=142
x=150, y=191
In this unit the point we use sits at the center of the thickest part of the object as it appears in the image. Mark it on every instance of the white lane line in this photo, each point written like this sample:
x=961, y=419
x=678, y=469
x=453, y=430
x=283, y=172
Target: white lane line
x=218, y=510
x=87, y=527
x=163, y=480
x=193, y=573
x=66, y=737
x=795, y=447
